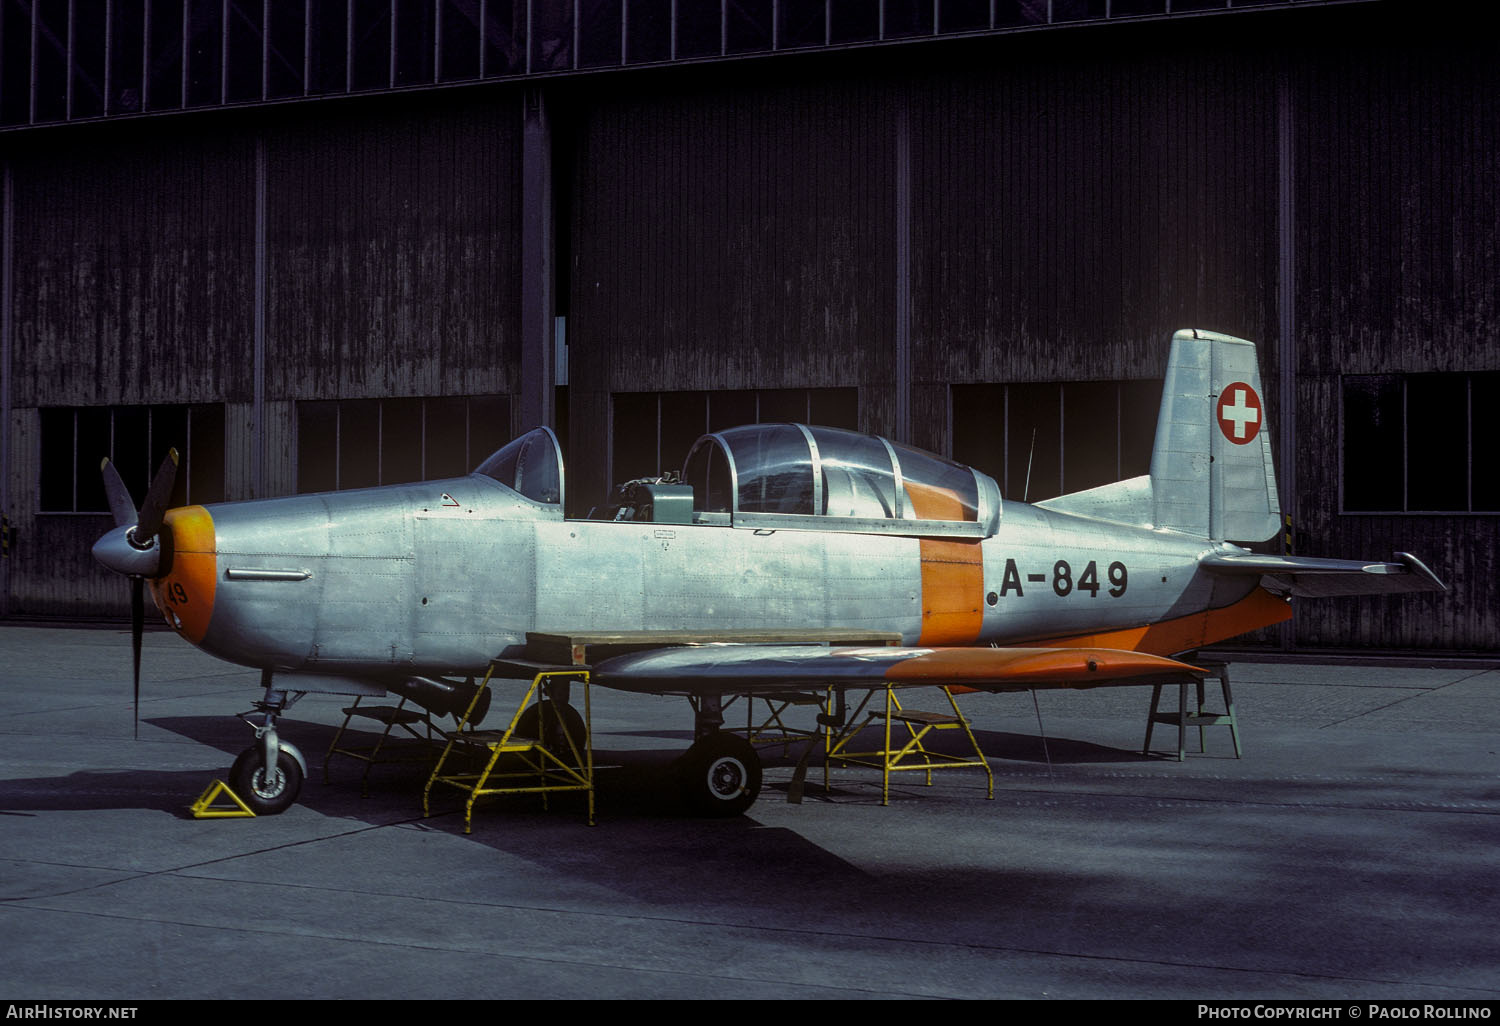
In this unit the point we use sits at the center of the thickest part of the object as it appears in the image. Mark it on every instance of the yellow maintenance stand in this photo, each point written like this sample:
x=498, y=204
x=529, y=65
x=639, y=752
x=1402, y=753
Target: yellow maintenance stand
x=544, y=750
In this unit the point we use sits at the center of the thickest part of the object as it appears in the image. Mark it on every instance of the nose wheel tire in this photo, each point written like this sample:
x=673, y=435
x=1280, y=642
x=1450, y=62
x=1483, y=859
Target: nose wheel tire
x=720, y=775
x=266, y=794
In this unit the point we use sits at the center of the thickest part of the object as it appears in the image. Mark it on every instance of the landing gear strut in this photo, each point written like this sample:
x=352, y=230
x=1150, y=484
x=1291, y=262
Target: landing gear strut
x=720, y=774
x=268, y=775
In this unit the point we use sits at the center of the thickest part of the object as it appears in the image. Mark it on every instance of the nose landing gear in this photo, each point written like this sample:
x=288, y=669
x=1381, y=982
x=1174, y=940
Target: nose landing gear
x=268, y=775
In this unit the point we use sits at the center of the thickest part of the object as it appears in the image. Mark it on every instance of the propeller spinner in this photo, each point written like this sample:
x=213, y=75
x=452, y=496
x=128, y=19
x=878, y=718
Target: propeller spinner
x=134, y=547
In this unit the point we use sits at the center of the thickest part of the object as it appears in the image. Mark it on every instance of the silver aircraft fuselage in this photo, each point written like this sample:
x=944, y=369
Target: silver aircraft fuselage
x=441, y=577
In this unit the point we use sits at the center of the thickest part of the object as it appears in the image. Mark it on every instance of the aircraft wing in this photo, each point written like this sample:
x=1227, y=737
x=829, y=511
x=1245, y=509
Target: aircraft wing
x=1321, y=578
x=768, y=668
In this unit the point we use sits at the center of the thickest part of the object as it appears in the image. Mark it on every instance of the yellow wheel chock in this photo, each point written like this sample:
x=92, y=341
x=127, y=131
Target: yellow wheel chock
x=204, y=807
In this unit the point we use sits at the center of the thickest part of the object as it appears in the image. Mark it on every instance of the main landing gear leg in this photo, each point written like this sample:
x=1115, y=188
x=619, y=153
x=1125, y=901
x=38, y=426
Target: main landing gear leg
x=720, y=774
x=268, y=775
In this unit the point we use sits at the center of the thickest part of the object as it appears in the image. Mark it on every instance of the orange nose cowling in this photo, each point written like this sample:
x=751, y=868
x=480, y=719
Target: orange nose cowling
x=185, y=594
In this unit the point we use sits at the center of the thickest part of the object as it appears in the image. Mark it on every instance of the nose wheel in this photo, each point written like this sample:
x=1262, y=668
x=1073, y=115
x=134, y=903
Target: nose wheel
x=266, y=793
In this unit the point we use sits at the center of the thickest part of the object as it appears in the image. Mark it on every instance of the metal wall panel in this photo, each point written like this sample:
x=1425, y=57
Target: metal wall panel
x=133, y=270
x=393, y=261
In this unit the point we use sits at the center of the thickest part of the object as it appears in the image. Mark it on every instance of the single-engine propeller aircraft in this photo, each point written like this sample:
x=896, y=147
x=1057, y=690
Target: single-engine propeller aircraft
x=413, y=588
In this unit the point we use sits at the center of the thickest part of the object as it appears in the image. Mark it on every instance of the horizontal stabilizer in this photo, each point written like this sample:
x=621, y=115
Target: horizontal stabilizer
x=1320, y=578
x=766, y=668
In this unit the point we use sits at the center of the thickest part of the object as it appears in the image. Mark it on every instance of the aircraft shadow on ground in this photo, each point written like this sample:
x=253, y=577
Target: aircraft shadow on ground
x=628, y=782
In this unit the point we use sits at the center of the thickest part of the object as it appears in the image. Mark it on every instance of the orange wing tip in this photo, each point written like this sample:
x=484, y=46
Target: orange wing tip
x=1007, y=667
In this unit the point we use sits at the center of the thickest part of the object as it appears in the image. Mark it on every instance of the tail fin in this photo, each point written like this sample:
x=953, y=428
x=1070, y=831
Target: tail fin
x=1211, y=470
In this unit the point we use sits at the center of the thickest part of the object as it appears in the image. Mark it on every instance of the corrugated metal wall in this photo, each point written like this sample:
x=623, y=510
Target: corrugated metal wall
x=1398, y=215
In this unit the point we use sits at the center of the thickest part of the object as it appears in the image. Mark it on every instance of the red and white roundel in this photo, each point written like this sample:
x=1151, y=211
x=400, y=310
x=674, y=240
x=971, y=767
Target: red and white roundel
x=1239, y=413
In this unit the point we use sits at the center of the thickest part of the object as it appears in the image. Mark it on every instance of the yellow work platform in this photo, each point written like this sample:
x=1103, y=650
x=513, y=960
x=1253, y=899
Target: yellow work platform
x=896, y=755
x=531, y=755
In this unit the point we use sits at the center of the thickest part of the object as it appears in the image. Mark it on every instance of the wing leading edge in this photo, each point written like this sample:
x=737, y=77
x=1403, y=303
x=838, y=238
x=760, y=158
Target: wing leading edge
x=768, y=668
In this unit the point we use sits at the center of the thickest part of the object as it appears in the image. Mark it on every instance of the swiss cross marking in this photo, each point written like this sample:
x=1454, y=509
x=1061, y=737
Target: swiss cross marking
x=1239, y=413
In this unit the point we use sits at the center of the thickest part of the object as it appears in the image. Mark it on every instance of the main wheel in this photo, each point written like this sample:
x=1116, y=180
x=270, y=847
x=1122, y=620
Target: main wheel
x=265, y=796
x=720, y=775
x=561, y=719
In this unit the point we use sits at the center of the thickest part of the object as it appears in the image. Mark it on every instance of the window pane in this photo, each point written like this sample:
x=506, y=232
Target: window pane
x=788, y=405
x=88, y=58
x=15, y=64
x=1140, y=406
x=447, y=439
x=699, y=28
x=130, y=449
x=51, y=68
x=206, y=460
x=415, y=41
x=979, y=428
x=458, y=27
x=634, y=423
x=1020, y=12
x=1484, y=444
x=489, y=425
x=1032, y=465
x=853, y=21
x=730, y=409
x=908, y=18
x=400, y=441
x=288, y=41
x=1372, y=442
x=164, y=56
x=205, y=52
x=834, y=407
x=648, y=29
x=552, y=24
x=328, y=42
x=245, y=56
x=169, y=430
x=372, y=46
x=1437, y=431
x=129, y=456
x=803, y=23
x=359, y=443
x=58, y=464
x=748, y=26
x=1090, y=434
x=963, y=15
x=599, y=36
x=317, y=449
x=684, y=418
x=1076, y=10
x=505, y=37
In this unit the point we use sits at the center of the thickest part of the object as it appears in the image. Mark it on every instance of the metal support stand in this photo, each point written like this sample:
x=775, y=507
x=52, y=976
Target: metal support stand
x=1198, y=717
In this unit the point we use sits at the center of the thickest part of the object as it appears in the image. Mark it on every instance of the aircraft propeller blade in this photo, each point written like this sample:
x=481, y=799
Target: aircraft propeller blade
x=131, y=548
x=137, y=629
x=120, y=502
x=157, y=497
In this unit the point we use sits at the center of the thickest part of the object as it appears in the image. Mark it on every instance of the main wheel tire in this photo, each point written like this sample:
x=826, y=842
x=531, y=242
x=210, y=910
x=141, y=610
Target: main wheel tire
x=720, y=775
x=561, y=718
x=247, y=778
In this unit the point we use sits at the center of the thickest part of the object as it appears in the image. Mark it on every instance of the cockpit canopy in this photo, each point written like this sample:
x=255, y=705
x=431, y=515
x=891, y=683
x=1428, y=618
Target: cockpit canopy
x=766, y=474
x=531, y=465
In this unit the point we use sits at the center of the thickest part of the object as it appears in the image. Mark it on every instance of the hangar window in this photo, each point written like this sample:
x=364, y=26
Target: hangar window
x=1044, y=439
x=136, y=440
x=1410, y=443
x=362, y=443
